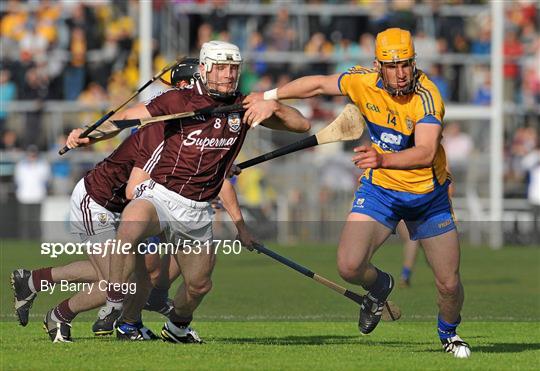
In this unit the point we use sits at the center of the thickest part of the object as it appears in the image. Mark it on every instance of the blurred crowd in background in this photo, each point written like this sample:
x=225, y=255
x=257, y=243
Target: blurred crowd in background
x=87, y=52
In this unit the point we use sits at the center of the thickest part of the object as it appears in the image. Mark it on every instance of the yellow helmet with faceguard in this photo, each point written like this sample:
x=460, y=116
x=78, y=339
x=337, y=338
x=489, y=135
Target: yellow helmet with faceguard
x=392, y=46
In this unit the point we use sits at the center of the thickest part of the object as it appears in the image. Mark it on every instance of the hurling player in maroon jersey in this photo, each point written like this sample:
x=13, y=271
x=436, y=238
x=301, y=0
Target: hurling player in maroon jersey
x=189, y=172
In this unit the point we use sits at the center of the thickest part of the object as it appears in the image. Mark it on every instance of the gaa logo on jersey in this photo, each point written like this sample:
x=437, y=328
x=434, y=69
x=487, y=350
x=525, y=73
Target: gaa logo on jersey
x=102, y=219
x=234, y=122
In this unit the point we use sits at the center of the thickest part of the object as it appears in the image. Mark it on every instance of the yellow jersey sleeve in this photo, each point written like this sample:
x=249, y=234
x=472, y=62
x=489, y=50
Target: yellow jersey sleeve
x=429, y=105
x=353, y=82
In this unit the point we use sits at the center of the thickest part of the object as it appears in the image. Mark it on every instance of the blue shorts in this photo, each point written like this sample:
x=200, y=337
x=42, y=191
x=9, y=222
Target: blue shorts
x=426, y=215
x=149, y=246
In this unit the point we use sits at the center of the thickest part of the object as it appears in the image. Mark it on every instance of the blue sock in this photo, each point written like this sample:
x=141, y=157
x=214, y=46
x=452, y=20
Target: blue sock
x=129, y=326
x=158, y=297
x=406, y=273
x=379, y=288
x=447, y=330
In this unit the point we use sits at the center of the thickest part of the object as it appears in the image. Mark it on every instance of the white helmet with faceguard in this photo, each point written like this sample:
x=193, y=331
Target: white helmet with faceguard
x=220, y=81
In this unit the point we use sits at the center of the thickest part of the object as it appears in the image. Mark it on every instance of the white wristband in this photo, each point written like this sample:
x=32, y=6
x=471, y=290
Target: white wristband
x=270, y=94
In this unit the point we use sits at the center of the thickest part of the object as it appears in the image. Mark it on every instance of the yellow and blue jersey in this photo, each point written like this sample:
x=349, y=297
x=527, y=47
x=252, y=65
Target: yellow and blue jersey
x=391, y=122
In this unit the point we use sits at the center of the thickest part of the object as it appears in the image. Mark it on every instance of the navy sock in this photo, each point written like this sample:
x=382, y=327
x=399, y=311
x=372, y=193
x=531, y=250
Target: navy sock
x=379, y=288
x=406, y=273
x=158, y=297
x=447, y=330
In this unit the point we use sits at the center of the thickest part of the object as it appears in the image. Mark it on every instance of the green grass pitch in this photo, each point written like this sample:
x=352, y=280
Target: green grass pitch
x=263, y=315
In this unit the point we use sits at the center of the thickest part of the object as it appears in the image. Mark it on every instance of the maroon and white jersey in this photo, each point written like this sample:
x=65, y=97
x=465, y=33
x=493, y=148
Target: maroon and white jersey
x=199, y=150
x=106, y=182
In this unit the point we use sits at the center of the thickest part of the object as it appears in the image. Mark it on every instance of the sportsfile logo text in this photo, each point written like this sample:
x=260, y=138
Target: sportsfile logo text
x=113, y=246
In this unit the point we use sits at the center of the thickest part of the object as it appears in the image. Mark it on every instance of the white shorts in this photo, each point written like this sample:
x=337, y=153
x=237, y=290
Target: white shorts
x=87, y=218
x=180, y=218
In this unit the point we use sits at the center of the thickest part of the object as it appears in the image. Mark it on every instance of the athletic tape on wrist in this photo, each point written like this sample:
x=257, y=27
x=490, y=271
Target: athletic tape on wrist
x=270, y=94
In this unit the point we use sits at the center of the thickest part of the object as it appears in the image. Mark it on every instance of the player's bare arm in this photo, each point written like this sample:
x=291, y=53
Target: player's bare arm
x=427, y=139
x=277, y=116
x=136, y=177
x=304, y=87
x=231, y=205
x=138, y=111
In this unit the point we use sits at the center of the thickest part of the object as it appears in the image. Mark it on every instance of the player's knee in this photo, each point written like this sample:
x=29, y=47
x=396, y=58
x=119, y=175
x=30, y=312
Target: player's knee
x=449, y=287
x=349, y=271
x=199, y=288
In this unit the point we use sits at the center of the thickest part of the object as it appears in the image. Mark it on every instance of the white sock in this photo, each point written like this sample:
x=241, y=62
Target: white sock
x=31, y=283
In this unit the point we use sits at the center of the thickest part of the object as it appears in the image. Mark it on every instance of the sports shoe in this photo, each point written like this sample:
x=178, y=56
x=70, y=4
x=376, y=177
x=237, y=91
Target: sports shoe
x=107, y=317
x=164, y=309
x=174, y=334
x=23, y=296
x=404, y=283
x=456, y=346
x=371, y=310
x=59, y=332
x=136, y=332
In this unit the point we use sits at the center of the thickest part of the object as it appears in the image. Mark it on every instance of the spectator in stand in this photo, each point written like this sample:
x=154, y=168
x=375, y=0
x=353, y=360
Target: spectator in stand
x=35, y=88
x=61, y=183
x=280, y=33
x=75, y=73
x=33, y=43
x=93, y=96
x=8, y=93
x=524, y=142
x=482, y=90
x=513, y=49
x=346, y=52
x=531, y=163
x=10, y=142
x=204, y=34
x=436, y=75
x=31, y=176
x=320, y=48
x=482, y=43
x=258, y=45
x=457, y=144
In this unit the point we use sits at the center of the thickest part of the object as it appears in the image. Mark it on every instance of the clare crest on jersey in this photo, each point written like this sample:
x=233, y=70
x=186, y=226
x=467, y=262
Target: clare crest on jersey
x=234, y=122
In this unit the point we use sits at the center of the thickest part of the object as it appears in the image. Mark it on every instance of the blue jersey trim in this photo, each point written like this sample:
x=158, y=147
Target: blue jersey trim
x=429, y=119
x=339, y=81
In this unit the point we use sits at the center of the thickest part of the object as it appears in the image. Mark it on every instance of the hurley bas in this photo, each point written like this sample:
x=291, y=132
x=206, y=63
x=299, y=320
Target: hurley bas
x=102, y=285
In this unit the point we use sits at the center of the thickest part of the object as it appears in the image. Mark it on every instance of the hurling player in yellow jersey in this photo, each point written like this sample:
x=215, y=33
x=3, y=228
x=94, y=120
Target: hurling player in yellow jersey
x=405, y=177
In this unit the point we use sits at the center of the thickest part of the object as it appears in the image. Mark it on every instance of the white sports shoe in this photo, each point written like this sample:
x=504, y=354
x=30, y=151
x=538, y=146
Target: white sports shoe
x=174, y=334
x=456, y=346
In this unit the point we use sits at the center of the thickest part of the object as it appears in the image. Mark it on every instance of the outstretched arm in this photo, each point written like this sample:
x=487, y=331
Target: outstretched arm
x=231, y=205
x=304, y=87
x=277, y=116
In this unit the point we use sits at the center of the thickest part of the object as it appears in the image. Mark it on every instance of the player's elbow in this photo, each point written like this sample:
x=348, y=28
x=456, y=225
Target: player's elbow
x=426, y=157
x=303, y=125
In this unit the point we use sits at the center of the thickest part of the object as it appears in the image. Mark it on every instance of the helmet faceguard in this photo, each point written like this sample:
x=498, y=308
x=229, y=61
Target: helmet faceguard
x=394, y=48
x=214, y=56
